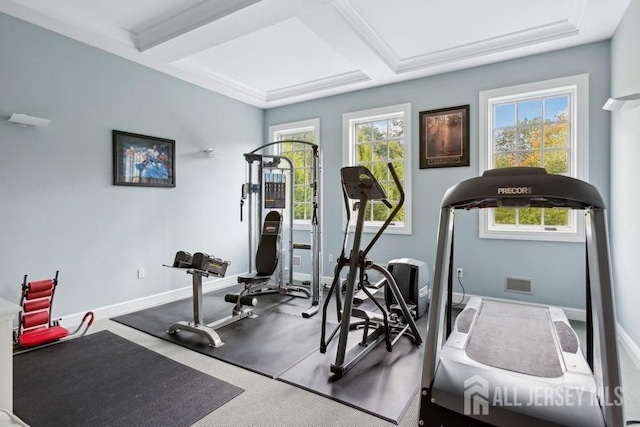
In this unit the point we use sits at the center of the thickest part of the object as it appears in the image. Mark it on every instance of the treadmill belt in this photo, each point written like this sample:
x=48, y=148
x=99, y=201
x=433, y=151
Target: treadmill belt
x=515, y=337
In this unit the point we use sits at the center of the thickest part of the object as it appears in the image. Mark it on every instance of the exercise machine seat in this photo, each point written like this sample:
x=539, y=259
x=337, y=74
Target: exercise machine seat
x=42, y=336
x=267, y=253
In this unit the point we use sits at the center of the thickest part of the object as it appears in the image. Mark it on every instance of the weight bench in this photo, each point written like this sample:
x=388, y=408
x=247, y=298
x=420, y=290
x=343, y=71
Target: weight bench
x=267, y=255
x=267, y=258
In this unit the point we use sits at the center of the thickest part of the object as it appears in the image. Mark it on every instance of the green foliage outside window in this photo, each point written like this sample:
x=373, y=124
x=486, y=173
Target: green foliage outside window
x=378, y=143
x=521, y=137
x=301, y=155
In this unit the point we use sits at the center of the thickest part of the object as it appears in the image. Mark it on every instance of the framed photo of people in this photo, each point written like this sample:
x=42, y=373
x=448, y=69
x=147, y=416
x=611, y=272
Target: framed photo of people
x=444, y=137
x=143, y=161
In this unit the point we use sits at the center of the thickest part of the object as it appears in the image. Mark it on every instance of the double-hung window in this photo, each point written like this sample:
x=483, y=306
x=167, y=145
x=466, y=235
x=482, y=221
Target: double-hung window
x=373, y=138
x=301, y=155
x=542, y=124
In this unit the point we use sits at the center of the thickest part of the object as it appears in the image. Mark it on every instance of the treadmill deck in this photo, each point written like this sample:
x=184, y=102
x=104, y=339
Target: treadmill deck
x=524, y=360
x=517, y=338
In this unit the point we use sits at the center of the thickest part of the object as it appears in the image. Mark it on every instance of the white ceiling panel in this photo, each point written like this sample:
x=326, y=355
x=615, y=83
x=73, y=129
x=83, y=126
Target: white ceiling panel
x=276, y=52
x=282, y=55
x=416, y=27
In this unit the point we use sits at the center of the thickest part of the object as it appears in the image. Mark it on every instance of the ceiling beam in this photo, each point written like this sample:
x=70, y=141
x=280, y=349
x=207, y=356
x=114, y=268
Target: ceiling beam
x=189, y=20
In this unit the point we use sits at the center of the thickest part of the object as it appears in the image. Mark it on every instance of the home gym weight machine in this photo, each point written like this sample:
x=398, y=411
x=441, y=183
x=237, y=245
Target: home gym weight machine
x=358, y=183
x=499, y=347
x=269, y=187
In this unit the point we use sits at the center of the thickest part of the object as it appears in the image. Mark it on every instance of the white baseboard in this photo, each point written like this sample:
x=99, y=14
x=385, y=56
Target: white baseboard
x=304, y=276
x=73, y=320
x=571, y=313
x=629, y=345
x=106, y=312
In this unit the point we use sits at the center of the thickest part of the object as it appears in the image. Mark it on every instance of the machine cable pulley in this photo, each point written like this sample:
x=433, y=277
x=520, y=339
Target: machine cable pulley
x=271, y=191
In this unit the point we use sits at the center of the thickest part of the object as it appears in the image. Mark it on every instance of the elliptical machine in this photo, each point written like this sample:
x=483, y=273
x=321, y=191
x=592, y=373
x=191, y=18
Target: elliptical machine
x=358, y=183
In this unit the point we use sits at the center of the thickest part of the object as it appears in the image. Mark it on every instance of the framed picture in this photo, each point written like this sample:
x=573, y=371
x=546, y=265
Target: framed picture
x=143, y=161
x=444, y=137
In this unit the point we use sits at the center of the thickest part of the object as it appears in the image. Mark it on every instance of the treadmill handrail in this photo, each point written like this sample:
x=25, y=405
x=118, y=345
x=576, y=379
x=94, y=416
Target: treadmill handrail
x=522, y=187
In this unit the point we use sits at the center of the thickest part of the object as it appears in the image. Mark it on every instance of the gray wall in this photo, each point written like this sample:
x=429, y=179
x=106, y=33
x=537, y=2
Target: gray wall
x=625, y=152
x=60, y=211
x=486, y=262
x=59, y=208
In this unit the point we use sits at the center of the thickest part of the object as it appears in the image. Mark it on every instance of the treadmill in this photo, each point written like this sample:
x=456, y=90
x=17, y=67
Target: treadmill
x=512, y=364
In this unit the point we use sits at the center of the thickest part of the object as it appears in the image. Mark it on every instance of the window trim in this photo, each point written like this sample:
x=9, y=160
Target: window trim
x=292, y=127
x=348, y=121
x=578, y=85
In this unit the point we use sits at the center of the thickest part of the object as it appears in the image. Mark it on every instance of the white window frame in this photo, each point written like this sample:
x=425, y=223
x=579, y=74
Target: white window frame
x=578, y=88
x=349, y=122
x=313, y=125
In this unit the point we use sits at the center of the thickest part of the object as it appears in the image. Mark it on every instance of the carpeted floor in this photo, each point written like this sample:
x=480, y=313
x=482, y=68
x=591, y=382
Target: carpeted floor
x=269, y=402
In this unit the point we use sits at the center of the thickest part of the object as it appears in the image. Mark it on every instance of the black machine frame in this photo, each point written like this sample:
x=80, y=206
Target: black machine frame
x=358, y=183
x=526, y=187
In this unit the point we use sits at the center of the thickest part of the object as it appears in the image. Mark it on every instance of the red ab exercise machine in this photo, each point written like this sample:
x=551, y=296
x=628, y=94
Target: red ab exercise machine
x=35, y=326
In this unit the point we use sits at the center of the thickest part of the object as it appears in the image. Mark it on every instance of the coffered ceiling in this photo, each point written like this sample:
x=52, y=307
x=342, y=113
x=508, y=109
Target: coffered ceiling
x=276, y=52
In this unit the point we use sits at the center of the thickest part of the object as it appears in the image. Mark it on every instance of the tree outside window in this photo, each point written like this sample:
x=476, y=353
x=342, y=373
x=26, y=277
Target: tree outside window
x=536, y=125
x=378, y=143
x=374, y=138
x=301, y=156
x=533, y=133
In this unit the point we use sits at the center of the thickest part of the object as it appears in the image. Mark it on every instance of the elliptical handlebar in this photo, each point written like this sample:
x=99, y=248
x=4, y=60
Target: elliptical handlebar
x=388, y=204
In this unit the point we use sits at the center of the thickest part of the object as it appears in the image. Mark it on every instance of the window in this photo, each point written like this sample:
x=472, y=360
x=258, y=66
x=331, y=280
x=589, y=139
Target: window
x=373, y=138
x=543, y=124
x=301, y=157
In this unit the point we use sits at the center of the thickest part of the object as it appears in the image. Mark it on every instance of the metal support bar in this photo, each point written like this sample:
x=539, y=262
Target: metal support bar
x=197, y=326
x=286, y=284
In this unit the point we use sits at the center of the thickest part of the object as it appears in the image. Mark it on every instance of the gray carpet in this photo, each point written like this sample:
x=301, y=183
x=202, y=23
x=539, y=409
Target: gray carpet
x=102, y=379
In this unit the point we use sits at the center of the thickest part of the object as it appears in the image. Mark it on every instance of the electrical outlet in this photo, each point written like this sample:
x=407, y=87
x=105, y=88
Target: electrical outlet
x=330, y=257
x=141, y=273
x=460, y=273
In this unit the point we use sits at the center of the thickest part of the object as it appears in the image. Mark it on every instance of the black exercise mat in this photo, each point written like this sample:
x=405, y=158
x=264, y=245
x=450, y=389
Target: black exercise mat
x=281, y=344
x=268, y=344
x=102, y=379
x=382, y=383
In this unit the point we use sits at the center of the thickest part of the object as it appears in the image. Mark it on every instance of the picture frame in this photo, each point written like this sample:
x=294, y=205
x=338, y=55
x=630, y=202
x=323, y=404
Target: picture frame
x=444, y=137
x=142, y=160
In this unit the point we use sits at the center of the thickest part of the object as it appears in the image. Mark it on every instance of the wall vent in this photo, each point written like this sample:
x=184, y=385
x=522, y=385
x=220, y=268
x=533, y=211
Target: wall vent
x=519, y=285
